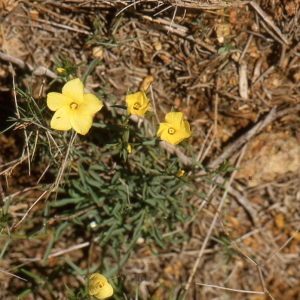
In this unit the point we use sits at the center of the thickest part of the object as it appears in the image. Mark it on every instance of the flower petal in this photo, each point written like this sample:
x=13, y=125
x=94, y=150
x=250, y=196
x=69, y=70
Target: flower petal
x=165, y=136
x=91, y=104
x=175, y=119
x=80, y=123
x=187, y=128
x=60, y=120
x=132, y=98
x=144, y=99
x=162, y=128
x=74, y=89
x=95, y=277
x=140, y=112
x=178, y=137
x=57, y=100
x=105, y=292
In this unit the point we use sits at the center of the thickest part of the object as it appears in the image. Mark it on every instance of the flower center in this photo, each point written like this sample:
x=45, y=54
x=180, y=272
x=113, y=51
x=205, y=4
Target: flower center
x=101, y=284
x=171, y=131
x=136, y=106
x=73, y=105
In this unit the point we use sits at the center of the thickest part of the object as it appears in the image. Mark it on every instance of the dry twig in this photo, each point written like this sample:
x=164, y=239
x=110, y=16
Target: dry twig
x=269, y=21
x=39, y=71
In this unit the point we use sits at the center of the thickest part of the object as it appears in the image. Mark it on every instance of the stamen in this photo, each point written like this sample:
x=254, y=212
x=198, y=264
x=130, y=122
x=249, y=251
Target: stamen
x=136, y=106
x=73, y=105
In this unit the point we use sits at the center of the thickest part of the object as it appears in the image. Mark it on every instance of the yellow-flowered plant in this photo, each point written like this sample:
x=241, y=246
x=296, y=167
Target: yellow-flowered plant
x=73, y=108
x=137, y=104
x=175, y=129
x=99, y=287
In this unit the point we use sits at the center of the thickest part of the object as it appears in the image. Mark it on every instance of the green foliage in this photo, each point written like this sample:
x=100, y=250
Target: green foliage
x=106, y=39
x=81, y=295
x=5, y=217
x=202, y=29
x=132, y=199
x=226, y=47
x=64, y=68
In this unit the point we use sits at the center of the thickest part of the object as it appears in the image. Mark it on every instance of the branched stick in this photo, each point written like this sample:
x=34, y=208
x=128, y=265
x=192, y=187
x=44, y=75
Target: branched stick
x=272, y=116
x=245, y=138
x=268, y=21
x=39, y=71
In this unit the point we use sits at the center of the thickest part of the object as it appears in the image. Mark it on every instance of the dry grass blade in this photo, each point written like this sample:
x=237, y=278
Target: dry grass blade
x=19, y=117
x=32, y=206
x=205, y=242
x=61, y=252
x=11, y=274
x=283, y=246
x=231, y=290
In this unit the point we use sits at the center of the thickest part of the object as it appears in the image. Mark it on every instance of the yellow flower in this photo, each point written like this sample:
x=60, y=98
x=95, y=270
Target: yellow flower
x=175, y=129
x=73, y=108
x=137, y=104
x=99, y=287
x=180, y=173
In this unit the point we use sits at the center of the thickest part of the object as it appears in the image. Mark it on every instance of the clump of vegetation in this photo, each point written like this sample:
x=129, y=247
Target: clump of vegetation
x=118, y=191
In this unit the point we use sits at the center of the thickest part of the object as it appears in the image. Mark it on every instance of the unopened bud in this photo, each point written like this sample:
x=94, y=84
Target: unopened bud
x=180, y=173
x=146, y=83
x=61, y=71
x=128, y=148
